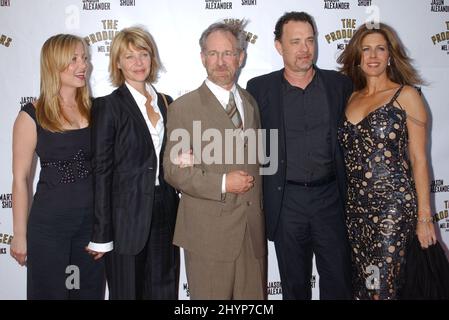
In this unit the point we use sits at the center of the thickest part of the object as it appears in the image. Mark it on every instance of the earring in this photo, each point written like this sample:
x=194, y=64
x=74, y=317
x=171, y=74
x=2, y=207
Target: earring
x=389, y=61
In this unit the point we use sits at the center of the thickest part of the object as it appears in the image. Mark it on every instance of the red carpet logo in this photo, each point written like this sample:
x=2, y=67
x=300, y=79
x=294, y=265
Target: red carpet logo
x=442, y=217
x=438, y=6
x=274, y=288
x=6, y=200
x=96, y=5
x=250, y=37
x=218, y=4
x=342, y=36
x=442, y=39
x=249, y=2
x=5, y=238
x=26, y=100
x=438, y=186
x=5, y=40
x=364, y=3
x=127, y=3
x=102, y=39
x=185, y=287
x=336, y=4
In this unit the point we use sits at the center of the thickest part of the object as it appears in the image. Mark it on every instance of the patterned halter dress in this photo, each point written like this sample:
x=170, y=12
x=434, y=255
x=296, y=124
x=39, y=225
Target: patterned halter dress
x=381, y=200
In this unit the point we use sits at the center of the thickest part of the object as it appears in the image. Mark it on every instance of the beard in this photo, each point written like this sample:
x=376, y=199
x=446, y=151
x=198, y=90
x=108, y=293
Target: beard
x=303, y=64
x=221, y=75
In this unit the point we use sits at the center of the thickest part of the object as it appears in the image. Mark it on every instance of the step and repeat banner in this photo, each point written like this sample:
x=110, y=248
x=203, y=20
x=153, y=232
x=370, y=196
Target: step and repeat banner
x=176, y=25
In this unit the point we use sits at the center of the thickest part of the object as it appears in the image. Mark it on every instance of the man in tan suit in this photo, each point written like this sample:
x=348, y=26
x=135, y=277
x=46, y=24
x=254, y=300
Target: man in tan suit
x=220, y=222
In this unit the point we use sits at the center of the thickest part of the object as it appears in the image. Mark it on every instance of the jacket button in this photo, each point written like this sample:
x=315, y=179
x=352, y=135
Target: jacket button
x=150, y=168
x=248, y=203
x=279, y=188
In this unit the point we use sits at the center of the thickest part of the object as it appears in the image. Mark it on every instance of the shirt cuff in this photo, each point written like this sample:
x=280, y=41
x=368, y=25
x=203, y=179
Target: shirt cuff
x=101, y=247
x=223, y=184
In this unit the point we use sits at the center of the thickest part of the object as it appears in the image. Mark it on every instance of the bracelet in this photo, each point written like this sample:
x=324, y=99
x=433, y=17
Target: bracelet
x=428, y=219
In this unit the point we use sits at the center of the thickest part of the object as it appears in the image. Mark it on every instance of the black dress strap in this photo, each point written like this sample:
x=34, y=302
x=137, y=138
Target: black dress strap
x=396, y=95
x=31, y=110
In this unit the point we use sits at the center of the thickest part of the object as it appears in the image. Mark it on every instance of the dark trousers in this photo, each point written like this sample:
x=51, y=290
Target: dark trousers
x=312, y=221
x=154, y=272
x=58, y=266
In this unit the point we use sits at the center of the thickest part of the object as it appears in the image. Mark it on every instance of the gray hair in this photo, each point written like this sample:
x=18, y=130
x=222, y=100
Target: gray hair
x=235, y=29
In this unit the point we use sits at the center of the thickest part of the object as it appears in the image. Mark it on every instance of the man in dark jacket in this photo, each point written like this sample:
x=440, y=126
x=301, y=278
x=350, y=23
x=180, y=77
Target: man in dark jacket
x=304, y=198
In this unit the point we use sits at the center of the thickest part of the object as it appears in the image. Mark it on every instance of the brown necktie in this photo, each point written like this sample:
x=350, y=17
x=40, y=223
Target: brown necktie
x=233, y=112
x=152, y=115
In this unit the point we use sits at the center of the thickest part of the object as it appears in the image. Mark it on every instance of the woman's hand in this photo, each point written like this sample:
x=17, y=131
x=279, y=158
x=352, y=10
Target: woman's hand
x=19, y=249
x=95, y=254
x=426, y=233
x=185, y=160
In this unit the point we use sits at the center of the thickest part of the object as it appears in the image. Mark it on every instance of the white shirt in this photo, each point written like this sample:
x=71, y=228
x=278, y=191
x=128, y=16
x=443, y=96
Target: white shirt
x=157, y=135
x=222, y=96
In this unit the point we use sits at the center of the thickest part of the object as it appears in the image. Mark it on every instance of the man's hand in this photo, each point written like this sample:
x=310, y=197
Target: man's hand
x=238, y=182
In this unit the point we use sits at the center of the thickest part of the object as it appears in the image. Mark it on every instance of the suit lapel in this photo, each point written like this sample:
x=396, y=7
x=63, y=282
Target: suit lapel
x=133, y=109
x=163, y=109
x=276, y=106
x=214, y=111
x=248, y=110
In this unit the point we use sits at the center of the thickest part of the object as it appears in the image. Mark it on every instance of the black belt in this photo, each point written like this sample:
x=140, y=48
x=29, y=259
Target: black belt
x=315, y=183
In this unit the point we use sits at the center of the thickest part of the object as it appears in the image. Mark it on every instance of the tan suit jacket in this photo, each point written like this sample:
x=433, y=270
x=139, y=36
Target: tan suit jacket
x=209, y=223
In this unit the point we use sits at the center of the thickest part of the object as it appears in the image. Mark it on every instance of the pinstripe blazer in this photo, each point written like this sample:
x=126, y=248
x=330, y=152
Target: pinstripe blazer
x=124, y=171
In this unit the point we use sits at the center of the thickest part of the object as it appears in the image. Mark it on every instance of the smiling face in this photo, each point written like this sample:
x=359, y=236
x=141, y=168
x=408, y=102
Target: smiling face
x=221, y=58
x=74, y=76
x=135, y=65
x=374, y=55
x=297, y=46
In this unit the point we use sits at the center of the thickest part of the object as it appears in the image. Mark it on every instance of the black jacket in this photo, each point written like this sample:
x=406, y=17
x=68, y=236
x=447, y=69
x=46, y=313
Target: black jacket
x=267, y=89
x=124, y=171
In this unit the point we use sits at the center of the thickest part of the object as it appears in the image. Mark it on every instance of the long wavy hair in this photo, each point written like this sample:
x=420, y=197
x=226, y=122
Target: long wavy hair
x=400, y=69
x=56, y=55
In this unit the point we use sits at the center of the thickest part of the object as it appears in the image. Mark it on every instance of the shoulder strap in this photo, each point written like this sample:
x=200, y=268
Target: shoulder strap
x=165, y=100
x=396, y=95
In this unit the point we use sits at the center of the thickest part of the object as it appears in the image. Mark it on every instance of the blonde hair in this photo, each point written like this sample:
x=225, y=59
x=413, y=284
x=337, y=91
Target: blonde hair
x=56, y=55
x=140, y=39
x=400, y=69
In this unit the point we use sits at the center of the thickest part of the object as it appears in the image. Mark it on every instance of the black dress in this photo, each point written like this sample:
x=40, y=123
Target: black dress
x=60, y=220
x=381, y=201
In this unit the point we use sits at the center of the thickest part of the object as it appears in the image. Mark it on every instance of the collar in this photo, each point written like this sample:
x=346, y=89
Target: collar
x=220, y=93
x=316, y=81
x=140, y=98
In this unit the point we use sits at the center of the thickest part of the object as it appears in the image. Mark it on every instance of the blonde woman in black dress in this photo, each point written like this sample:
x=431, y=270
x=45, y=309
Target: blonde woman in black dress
x=50, y=240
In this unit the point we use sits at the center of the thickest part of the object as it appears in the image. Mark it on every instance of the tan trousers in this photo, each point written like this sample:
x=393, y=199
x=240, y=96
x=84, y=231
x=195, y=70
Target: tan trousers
x=242, y=279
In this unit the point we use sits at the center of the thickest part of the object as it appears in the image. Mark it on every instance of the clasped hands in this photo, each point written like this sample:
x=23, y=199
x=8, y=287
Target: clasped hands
x=237, y=182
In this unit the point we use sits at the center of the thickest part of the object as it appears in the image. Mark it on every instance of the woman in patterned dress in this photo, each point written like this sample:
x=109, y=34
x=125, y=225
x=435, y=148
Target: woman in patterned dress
x=383, y=136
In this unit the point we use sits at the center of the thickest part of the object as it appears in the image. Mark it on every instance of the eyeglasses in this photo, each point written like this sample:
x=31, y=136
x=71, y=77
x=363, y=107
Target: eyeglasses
x=224, y=55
